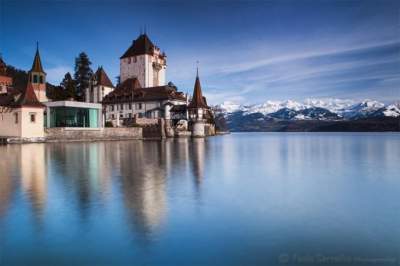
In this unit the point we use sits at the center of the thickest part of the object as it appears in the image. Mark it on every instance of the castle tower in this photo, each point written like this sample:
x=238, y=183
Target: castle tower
x=100, y=85
x=198, y=109
x=37, y=77
x=144, y=61
x=5, y=81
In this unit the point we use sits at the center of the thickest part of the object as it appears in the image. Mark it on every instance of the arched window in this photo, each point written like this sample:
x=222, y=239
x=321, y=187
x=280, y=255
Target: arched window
x=35, y=79
x=41, y=79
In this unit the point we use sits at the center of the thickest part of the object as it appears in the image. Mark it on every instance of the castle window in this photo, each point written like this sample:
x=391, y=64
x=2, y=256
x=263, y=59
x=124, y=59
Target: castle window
x=35, y=79
x=139, y=106
x=111, y=107
x=112, y=116
x=16, y=118
x=41, y=79
x=32, y=117
x=122, y=106
x=130, y=106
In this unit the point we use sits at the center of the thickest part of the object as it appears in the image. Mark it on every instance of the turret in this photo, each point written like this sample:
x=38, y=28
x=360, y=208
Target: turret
x=197, y=106
x=198, y=110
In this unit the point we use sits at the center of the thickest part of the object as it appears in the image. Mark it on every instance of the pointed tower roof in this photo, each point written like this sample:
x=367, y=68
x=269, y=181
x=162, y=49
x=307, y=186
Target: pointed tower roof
x=102, y=78
x=37, y=63
x=198, y=101
x=27, y=98
x=142, y=45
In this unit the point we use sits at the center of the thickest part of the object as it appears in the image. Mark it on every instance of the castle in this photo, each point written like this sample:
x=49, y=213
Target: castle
x=141, y=99
x=143, y=93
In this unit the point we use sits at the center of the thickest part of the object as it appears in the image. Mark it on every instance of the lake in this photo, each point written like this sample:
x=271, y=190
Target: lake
x=239, y=199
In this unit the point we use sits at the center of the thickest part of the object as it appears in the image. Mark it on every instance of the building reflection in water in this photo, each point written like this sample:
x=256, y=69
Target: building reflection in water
x=143, y=184
x=8, y=168
x=34, y=176
x=89, y=176
x=198, y=159
x=24, y=166
x=85, y=169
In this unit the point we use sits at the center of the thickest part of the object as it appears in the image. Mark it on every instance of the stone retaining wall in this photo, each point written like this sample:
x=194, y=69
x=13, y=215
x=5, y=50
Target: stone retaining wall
x=92, y=134
x=209, y=130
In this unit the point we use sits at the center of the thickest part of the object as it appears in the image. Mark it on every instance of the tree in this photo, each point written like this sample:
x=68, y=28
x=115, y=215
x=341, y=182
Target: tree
x=20, y=77
x=55, y=93
x=82, y=76
x=69, y=86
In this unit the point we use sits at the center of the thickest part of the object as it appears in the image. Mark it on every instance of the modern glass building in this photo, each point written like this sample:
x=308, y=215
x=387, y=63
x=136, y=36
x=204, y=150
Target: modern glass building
x=73, y=114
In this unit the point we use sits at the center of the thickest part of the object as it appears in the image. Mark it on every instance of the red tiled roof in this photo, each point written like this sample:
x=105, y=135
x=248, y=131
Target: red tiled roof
x=5, y=80
x=28, y=98
x=16, y=98
x=142, y=45
x=198, y=101
x=102, y=78
x=131, y=91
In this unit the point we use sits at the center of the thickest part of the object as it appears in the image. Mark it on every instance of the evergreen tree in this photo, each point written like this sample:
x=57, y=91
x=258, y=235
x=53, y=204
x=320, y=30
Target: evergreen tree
x=20, y=77
x=69, y=86
x=82, y=76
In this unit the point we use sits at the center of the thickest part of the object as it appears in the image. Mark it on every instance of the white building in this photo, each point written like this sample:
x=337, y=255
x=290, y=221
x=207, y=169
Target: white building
x=100, y=85
x=144, y=61
x=130, y=99
x=21, y=112
x=142, y=90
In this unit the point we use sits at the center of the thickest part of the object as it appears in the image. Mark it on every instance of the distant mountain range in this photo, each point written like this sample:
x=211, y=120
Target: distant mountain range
x=312, y=115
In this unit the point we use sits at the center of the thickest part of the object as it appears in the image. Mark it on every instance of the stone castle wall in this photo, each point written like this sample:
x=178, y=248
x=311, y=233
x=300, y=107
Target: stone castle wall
x=76, y=134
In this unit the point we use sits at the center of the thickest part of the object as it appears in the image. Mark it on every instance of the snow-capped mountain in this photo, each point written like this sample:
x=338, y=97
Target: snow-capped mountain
x=315, y=109
x=362, y=109
x=392, y=110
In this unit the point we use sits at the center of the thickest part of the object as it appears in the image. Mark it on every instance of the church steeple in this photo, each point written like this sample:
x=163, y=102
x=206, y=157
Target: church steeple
x=37, y=77
x=37, y=63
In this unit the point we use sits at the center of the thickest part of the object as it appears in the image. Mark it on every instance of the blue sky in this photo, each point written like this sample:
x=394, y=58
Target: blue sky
x=249, y=51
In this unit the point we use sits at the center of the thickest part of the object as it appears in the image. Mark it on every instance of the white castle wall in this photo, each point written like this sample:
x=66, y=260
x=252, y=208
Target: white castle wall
x=24, y=127
x=98, y=93
x=133, y=67
x=141, y=67
x=128, y=110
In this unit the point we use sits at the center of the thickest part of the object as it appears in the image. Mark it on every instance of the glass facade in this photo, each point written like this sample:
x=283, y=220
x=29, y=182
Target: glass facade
x=73, y=117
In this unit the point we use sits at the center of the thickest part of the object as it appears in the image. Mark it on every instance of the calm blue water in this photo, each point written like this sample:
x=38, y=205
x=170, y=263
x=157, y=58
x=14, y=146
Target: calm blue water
x=240, y=199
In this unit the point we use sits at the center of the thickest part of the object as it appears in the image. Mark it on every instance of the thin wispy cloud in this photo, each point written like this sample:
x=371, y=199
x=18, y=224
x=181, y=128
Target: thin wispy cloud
x=56, y=74
x=248, y=51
